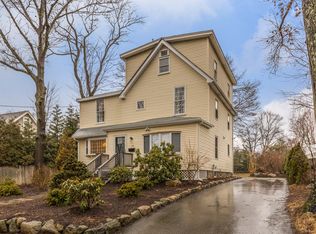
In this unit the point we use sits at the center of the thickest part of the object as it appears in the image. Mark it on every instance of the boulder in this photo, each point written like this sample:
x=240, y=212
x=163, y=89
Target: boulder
x=173, y=183
x=32, y=227
x=164, y=201
x=71, y=229
x=144, y=210
x=124, y=219
x=135, y=215
x=112, y=225
x=13, y=227
x=19, y=221
x=272, y=175
x=101, y=229
x=3, y=226
x=82, y=228
x=59, y=227
x=49, y=227
x=155, y=206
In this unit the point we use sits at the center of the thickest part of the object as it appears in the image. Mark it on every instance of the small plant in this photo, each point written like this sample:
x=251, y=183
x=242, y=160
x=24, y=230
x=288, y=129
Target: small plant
x=144, y=183
x=57, y=197
x=86, y=192
x=130, y=189
x=120, y=175
x=159, y=165
x=9, y=188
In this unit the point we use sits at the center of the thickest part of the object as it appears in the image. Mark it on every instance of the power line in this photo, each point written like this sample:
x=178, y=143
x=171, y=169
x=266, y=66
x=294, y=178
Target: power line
x=18, y=106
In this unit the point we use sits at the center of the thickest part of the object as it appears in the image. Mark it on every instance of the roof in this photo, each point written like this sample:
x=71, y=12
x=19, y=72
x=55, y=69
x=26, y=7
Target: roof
x=15, y=115
x=183, y=37
x=157, y=122
x=103, y=95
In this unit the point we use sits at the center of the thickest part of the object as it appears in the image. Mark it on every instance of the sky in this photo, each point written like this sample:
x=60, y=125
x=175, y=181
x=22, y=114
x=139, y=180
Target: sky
x=238, y=24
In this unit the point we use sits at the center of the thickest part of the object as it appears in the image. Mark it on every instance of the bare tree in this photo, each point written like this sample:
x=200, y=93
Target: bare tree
x=27, y=34
x=294, y=40
x=91, y=42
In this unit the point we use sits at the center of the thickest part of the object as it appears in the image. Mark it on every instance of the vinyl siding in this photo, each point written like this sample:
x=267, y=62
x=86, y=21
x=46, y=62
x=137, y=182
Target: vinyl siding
x=134, y=62
x=188, y=136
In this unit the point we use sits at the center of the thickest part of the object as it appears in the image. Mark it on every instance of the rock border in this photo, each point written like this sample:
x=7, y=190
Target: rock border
x=20, y=225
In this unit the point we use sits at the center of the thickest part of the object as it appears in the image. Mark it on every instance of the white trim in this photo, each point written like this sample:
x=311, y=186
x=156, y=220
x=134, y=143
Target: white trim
x=125, y=143
x=25, y=113
x=140, y=109
x=159, y=134
x=164, y=57
x=95, y=139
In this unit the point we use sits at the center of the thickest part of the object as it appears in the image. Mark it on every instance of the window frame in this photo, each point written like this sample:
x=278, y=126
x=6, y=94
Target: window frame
x=140, y=109
x=228, y=150
x=216, y=109
x=164, y=57
x=101, y=100
x=184, y=99
x=228, y=121
x=228, y=90
x=160, y=133
x=94, y=139
x=215, y=67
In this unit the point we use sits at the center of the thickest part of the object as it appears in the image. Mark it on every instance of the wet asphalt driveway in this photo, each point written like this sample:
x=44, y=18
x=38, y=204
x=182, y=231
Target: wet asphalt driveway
x=247, y=205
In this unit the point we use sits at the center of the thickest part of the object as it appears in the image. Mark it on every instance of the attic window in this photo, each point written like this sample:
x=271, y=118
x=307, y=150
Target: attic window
x=140, y=105
x=164, y=61
x=215, y=70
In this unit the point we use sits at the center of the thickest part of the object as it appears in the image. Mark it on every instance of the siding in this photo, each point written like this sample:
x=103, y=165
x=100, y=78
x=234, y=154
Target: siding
x=134, y=138
x=134, y=62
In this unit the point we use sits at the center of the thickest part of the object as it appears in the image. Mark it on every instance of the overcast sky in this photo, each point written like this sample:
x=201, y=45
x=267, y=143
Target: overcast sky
x=238, y=24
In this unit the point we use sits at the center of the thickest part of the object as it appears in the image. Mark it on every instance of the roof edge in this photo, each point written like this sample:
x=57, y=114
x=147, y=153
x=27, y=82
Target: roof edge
x=102, y=95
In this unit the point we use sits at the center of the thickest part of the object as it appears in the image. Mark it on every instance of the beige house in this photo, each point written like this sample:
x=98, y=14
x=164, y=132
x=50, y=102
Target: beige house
x=21, y=118
x=178, y=90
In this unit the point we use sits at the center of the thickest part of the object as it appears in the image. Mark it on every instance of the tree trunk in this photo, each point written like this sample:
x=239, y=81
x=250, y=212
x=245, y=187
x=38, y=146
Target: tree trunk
x=309, y=14
x=41, y=116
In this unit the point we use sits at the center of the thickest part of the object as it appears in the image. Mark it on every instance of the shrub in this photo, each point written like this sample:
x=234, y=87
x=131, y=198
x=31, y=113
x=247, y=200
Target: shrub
x=130, y=189
x=120, y=175
x=42, y=177
x=296, y=165
x=72, y=169
x=9, y=188
x=159, y=165
x=57, y=197
x=144, y=183
x=85, y=192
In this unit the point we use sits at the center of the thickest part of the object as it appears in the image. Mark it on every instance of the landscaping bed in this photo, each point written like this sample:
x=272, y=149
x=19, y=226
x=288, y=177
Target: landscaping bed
x=38, y=209
x=27, y=191
x=302, y=222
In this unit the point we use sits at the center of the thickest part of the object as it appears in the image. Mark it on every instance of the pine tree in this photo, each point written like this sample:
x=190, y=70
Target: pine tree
x=71, y=121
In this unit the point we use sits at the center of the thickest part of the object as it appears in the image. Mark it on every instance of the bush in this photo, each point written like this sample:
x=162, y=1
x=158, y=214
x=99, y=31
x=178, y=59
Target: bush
x=42, y=177
x=296, y=165
x=130, y=189
x=159, y=165
x=72, y=169
x=9, y=188
x=85, y=192
x=144, y=183
x=57, y=197
x=120, y=175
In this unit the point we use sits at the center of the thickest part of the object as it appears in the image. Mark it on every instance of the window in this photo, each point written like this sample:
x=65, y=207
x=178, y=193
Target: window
x=216, y=109
x=97, y=146
x=164, y=61
x=228, y=150
x=215, y=70
x=228, y=122
x=216, y=147
x=158, y=138
x=179, y=100
x=100, y=110
x=140, y=105
x=228, y=90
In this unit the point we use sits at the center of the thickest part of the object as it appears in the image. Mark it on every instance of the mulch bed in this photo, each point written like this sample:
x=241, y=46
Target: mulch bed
x=27, y=191
x=38, y=209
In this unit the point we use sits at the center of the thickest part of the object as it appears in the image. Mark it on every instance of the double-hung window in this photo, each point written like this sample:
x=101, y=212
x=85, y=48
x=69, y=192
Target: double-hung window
x=100, y=110
x=173, y=138
x=95, y=146
x=215, y=70
x=179, y=100
x=228, y=150
x=228, y=122
x=164, y=61
x=228, y=90
x=216, y=109
x=216, y=147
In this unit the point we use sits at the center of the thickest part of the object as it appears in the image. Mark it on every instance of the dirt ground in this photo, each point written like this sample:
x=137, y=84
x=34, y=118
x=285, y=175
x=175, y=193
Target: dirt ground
x=38, y=209
x=303, y=222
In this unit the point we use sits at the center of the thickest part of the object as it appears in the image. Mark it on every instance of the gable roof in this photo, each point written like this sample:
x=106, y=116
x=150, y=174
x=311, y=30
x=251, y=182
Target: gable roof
x=15, y=116
x=214, y=86
x=184, y=37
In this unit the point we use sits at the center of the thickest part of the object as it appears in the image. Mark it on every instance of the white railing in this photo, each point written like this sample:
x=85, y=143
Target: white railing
x=95, y=163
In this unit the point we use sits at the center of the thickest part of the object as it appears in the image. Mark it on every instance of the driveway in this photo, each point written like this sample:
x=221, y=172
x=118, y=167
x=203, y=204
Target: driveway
x=248, y=205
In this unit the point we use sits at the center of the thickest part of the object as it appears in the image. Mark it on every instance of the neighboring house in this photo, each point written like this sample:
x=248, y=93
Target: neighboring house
x=21, y=118
x=178, y=90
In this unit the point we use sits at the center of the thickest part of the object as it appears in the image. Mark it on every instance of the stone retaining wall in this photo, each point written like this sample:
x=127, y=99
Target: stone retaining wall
x=20, y=225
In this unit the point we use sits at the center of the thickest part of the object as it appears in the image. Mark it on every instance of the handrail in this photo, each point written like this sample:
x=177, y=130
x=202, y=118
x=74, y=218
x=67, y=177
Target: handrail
x=92, y=164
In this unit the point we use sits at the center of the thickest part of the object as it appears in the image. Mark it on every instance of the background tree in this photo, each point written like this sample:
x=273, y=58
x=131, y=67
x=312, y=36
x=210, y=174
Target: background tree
x=293, y=39
x=91, y=43
x=28, y=32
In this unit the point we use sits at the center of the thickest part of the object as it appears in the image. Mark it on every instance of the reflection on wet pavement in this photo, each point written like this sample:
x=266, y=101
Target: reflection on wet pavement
x=244, y=206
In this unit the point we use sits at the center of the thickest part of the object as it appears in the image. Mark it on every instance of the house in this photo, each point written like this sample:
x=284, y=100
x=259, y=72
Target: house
x=178, y=90
x=20, y=117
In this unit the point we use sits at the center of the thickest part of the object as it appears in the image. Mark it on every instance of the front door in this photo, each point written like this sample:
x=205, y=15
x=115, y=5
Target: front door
x=120, y=150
